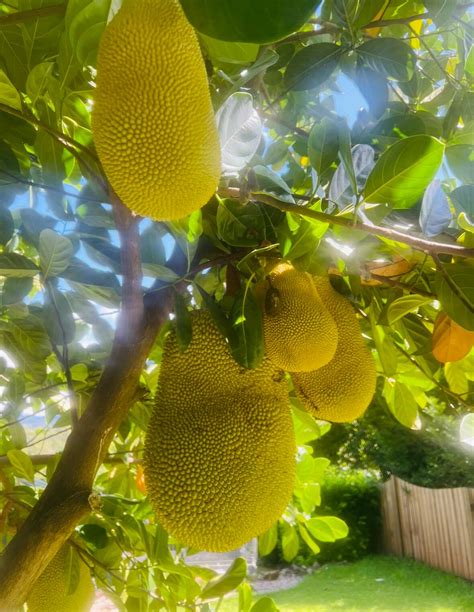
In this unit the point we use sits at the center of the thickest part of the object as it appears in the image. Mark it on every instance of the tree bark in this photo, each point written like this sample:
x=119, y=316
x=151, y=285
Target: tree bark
x=68, y=496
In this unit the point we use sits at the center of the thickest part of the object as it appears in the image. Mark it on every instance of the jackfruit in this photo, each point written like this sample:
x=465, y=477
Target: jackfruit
x=341, y=390
x=58, y=588
x=300, y=334
x=152, y=120
x=220, y=449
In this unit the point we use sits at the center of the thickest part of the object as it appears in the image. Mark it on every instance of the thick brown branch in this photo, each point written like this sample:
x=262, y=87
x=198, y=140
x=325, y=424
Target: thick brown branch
x=23, y=16
x=67, y=498
x=419, y=244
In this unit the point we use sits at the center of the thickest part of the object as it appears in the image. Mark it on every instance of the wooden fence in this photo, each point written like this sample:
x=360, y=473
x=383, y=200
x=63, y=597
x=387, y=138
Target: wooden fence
x=435, y=526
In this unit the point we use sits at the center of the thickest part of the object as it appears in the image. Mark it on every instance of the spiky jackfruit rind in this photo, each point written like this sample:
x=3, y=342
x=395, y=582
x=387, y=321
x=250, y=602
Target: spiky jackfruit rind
x=152, y=120
x=342, y=390
x=52, y=589
x=300, y=334
x=220, y=449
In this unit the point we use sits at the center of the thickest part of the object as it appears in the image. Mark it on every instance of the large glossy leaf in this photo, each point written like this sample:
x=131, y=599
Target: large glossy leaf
x=240, y=224
x=240, y=131
x=7, y=225
x=455, y=289
x=327, y=528
x=323, y=145
x=55, y=253
x=227, y=582
x=58, y=318
x=388, y=56
x=403, y=405
x=259, y=21
x=403, y=171
x=361, y=160
x=435, y=214
x=289, y=542
x=8, y=93
x=268, y=540
x=312, y=66
x=247, y=341
x=12, y=264
x=463, y=199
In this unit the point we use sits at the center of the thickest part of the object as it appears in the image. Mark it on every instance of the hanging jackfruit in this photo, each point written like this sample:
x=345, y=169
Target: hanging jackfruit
x=300, y=334
x=341, y=390
x=61, y=587
x=152, y=120
x=220, y=450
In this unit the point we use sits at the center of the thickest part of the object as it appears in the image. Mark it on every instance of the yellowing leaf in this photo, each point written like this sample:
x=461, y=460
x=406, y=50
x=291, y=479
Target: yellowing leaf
x=396, y=267
x=140, y=479
x=416, y=27
x=373, y=32
x=450, y=341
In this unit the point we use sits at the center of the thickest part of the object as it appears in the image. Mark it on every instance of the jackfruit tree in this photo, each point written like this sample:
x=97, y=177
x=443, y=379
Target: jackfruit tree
x=223, y=226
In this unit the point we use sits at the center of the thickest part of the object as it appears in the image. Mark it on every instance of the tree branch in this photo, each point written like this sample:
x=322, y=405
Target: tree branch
x=420, y=244
x=22, y=16
x=68, y=496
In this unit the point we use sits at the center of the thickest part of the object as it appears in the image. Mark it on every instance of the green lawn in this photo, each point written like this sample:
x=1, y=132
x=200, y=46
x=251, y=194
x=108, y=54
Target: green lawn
x=375, y=584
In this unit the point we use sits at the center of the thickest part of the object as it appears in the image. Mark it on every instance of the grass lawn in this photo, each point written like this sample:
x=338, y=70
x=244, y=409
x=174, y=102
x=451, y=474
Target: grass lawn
x=375, y=584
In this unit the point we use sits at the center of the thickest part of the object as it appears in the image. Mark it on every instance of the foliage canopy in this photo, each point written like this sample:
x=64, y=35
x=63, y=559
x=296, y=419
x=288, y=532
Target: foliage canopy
x=346, y=133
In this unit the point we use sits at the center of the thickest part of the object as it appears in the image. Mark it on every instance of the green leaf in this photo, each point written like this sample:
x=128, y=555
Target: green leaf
x=240, y=131
x=227, y=52
x=435, y=213
x=403, y=171
x=457, y=294
x=271, y=183
x=258, y=21
x=403, y=405
x=455, y=374
x=268, y=540
x=15, y=289
x=22, y=464
x=29, y=335
x=12, y=264
x=247, y=340
x=58, y=318
x=308, y=540
x=323, y=145
x=388, y=56
x=241, y=225
x=264, y=604
x=184, y=331
x=327, y=528
x=159, y=272
x=227, y=582
x=312, y=66
x=55, y=253
x=8, y=93
x=290, y=543
x=38, y=80
x=374, y=87
x=7, y=226
x=402, y=306
x=460, y=160
x=72, y=571
x=463, y=199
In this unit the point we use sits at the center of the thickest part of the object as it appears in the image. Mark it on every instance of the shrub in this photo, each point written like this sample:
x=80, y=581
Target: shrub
x=353, y=496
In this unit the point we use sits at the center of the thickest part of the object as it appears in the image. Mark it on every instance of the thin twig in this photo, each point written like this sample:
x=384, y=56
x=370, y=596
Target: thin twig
x=405, y=286
x=420, y=244
x=22, y=16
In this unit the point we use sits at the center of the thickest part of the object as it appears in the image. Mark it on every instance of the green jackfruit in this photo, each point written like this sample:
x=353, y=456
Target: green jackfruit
x=300, y=334
x=152, y=120
x=341, y=390
x=219, y=456
x=65, y=585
